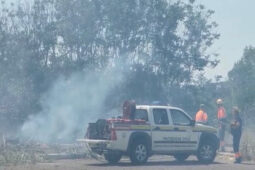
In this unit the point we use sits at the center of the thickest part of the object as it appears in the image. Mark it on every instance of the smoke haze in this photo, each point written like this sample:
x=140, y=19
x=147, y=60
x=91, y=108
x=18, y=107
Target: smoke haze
x=70, y=104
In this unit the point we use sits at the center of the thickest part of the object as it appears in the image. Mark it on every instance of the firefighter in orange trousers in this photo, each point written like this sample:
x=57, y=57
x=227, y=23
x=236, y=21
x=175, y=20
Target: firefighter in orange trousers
x=201, y=115
x=221, y=115
x=236, y=131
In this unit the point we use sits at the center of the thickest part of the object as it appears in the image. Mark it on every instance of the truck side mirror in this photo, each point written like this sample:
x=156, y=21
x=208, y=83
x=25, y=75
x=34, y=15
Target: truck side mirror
x=192, y=122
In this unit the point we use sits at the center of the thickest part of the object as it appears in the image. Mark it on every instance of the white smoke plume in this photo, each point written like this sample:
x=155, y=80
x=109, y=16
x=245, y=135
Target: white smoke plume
x=70, y=105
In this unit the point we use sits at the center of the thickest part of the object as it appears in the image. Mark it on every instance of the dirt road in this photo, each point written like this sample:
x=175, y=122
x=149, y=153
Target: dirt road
x=156, y=162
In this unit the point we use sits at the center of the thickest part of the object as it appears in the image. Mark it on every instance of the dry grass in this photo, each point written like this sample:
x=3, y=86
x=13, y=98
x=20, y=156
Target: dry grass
x=13, y=155
x=32, y=153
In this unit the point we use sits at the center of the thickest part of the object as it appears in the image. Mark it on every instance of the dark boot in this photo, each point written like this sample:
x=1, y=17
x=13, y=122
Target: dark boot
x=238, y=160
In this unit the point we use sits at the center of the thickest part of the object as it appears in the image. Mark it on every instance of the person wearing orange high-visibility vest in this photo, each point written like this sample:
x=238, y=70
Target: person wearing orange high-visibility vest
x=221, y=115
x=201, y=115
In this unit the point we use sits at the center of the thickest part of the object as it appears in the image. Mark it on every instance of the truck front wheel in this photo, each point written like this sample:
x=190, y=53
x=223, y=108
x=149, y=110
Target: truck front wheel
x=139, y=152
x=112, y=158
x=206, y=152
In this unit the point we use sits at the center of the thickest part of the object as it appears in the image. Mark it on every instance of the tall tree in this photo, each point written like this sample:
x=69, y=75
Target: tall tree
x=165, y=41
x=242, y=79
x=159, y=44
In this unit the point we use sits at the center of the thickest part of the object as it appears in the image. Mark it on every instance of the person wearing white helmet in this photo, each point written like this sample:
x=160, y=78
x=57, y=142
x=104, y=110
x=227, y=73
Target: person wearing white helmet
x=221, y=115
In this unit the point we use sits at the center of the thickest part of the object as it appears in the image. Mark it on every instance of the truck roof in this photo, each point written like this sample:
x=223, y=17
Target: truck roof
x=156, y=106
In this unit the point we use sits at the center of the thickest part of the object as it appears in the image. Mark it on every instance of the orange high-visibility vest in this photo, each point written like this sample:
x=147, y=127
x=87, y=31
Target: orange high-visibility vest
x=221, y=113
x=201, y=116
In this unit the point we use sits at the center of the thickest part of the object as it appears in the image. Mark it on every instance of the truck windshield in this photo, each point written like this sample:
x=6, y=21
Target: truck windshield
x=179, y=118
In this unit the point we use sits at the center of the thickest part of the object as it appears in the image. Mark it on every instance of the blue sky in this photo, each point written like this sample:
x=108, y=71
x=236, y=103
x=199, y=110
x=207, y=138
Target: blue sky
x=237, y=29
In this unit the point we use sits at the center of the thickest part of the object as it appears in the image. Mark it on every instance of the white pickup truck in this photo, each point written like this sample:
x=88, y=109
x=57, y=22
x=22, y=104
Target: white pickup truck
x=163, y=130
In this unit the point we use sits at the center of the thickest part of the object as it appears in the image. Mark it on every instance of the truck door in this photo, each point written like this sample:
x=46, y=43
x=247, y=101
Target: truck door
x=183, y=138
x=159, y=129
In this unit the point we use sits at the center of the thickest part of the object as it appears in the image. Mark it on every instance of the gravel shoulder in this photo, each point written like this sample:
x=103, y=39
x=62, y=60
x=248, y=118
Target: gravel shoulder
x=155, y=162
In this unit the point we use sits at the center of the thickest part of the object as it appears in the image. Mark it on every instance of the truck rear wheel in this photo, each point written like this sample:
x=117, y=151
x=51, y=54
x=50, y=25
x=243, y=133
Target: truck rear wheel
x=181, y=157
x=139, y=152
x=112, y=158
x=206, y=152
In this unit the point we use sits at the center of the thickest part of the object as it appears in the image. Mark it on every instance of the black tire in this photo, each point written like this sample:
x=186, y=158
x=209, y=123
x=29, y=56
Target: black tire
x=206, y=152
x=139, y=152
x=112, y=158
x=181, y=157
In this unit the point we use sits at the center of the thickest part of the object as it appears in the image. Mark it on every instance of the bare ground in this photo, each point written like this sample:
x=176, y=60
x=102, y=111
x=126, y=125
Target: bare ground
x=155, y=162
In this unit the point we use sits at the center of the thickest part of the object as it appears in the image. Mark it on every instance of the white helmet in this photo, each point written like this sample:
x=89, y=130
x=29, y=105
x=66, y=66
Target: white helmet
x=219, y=101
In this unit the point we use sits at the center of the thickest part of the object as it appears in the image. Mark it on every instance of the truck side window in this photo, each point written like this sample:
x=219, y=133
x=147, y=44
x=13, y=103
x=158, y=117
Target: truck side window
x=179, y=118
x=141, y=114
x=160, y=117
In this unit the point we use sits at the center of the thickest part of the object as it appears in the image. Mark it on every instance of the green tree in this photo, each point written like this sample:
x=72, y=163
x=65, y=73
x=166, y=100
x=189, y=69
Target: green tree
x=242, y=79
x=159, y=44
x=26, y=45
